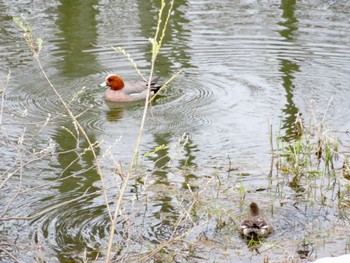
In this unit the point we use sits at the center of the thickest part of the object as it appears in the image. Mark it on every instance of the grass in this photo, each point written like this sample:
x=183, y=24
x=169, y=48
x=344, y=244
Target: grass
x=313, y=152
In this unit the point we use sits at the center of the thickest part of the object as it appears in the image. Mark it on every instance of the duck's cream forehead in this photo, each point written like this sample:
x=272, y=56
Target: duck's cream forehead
x=110, y=75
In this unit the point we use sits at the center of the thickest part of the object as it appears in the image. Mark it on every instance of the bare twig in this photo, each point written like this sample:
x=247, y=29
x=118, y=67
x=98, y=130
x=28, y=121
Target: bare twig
x=3, y=94
x=155, y=50
x=35, y=47
x=9, y=254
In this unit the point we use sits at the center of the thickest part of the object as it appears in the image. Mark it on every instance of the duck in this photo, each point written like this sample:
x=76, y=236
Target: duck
x=120, y=91
x=255, y=225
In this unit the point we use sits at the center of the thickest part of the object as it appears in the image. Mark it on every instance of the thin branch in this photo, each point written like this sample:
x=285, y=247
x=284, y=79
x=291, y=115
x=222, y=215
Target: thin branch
x=35, y=47
x=3, y=94
x=9, y=254
x=155, y=50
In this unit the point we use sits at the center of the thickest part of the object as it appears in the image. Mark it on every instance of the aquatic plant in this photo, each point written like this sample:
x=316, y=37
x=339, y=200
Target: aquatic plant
x=310, y=159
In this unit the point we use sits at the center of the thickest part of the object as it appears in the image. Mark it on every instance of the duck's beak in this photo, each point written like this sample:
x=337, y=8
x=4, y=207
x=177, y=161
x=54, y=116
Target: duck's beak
x=103, y=84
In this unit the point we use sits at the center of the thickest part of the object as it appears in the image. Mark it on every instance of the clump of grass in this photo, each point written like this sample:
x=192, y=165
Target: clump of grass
x=346, y=167
x=313, y=152
x=312, y=162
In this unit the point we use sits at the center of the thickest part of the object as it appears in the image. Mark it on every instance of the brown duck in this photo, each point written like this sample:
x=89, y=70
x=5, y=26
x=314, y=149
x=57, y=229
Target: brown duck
x=255, y=225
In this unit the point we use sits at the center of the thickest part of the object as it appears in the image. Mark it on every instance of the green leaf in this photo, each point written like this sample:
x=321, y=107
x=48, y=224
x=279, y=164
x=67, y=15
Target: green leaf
x=40, y=44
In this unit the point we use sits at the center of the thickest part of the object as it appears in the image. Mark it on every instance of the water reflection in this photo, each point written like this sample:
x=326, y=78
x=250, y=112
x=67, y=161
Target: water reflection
x=76, y=164
x=161, y=159
x=176, y=55
x=163, y=176
x=290, y=24
x=175, y=52
x=288, y=67
x=290, y=110
x=114, y=114
x=189, y=162
x=78, y=29
x=82, y=218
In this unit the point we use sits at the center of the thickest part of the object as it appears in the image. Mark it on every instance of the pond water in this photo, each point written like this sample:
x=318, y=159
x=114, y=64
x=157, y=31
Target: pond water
x=248, y=66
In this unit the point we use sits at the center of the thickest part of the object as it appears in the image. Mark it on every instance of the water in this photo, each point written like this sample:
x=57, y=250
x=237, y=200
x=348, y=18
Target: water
x=247, y=65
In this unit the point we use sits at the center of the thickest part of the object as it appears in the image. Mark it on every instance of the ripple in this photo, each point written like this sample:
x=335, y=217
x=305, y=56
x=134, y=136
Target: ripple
x=92, y=123
x=248, y=45
x=41, y=101
x=299, y=220
x=194, y=99
x=86, y=225
x=78, y=225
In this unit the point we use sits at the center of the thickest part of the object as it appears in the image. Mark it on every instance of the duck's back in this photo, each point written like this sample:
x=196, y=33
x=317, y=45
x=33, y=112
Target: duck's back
x=135, y=87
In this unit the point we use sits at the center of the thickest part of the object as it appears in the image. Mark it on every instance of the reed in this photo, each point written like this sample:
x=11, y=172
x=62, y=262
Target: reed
x=312, y=153
x=312, y=161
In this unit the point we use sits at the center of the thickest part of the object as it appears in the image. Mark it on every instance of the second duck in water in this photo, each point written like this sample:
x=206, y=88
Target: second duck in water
x=255, y=225
x=120, y=91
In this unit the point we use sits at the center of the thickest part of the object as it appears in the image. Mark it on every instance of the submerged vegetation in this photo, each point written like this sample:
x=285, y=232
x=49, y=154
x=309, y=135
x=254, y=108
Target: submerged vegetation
x=198, y=218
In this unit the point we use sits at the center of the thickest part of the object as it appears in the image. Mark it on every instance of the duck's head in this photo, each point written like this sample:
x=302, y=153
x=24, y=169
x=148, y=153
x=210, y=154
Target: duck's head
x=114, y=82
x=254, y=209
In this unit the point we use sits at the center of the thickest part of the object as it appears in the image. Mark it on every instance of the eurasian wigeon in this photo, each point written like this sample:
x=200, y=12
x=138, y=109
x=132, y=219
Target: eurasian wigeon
x=255, y=225
x=120, y=91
